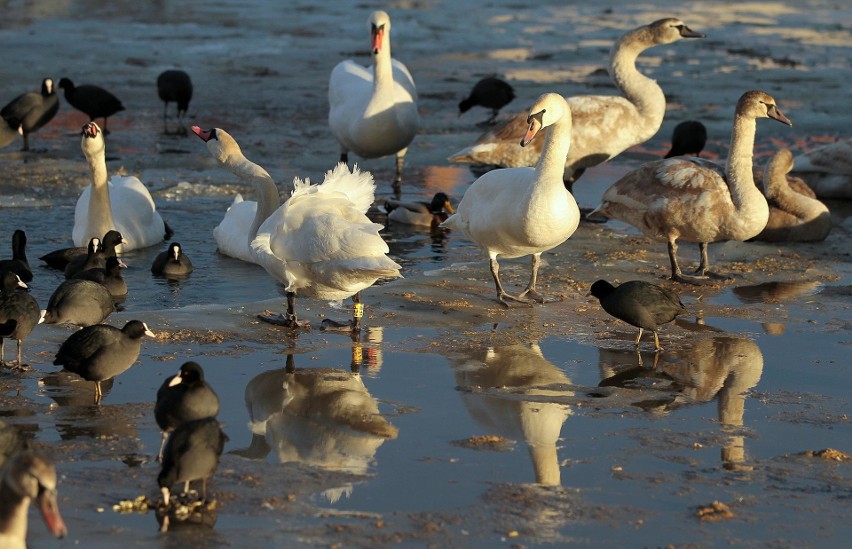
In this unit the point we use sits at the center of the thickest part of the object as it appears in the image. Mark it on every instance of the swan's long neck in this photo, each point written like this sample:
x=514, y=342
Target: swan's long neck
x=643, y=92
x=264, y=187
x=744, y=194
x=779, y=193
x=13, y=514
x=100, y=208
x=551, y=163
x=383, y=69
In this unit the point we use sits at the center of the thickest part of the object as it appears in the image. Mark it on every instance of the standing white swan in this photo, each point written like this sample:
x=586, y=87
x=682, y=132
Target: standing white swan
x=694, y=200
x=122, y=203
x=603, y=125
x=238, y=228
x=373, y=110
x=521, y=211
x=320, y=243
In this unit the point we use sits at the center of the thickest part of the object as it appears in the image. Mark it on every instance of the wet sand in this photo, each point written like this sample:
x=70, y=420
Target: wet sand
x=582, y=439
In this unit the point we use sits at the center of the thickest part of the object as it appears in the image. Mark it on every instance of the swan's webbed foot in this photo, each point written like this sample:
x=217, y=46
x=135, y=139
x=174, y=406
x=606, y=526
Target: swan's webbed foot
x=691, y=279
x=329, y=325
x=286, y=320
x=16, y=367
x=715, y=275
x=502, y=298
x=532, y=294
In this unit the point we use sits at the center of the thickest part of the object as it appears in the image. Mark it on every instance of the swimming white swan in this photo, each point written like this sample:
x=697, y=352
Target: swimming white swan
x=604, y=125
x=373, y=110
x=515, y=212
x=828, y=169
x=122, y=204
x=320, y=243
x=694, y=200
x=238, y=228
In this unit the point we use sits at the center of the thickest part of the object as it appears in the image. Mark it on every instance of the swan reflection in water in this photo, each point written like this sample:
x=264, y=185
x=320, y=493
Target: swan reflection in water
x=321, y=417
x=725, y=367
x=776, y=292
x=526, y=410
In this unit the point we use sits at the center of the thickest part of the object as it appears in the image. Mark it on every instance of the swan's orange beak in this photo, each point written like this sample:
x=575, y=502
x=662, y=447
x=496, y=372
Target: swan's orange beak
x=534, y=121
x=50, y=512
x=377, y=35
x=204, y=135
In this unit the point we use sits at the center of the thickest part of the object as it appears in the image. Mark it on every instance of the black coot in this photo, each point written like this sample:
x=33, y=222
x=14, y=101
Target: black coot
x=109, y=276
x=28, y=112
x=172, y=262
x=191, y=453
x=490, y=92
x=18, y=313
x=80, y=302
x=100, y=352
x=59, y=259
x=688, y=138
x=184, y=397
x=18, y=264
x=639, y=304
x=174, y=86
x=95, y=101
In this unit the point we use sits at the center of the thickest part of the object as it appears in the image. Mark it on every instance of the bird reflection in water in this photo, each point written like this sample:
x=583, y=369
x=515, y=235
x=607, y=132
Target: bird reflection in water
x=510, y=391
x=724, y=367
x=321, y=417
x=776, y=292
x=78, y=417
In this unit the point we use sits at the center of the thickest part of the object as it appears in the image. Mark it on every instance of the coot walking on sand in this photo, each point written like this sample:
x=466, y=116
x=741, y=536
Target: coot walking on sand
x=174, y=86
x=184, y=397
x=191, y=453
x=28, y=112
x=18, y=313
x=639, y=304
x=100, y=352
x=95, y=101
x=491, y=93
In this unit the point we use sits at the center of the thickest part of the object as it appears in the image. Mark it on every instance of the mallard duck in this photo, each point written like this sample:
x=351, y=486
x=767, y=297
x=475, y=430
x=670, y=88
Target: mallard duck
x=428, y=214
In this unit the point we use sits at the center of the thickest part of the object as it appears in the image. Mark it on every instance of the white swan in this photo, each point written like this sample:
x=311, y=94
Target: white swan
x=521, y=211
x=694, y=200
x=828, y=169
x=320, y=243
x=238, y=228
x=795, y=215
x=122, y=204
x=604, y=125
x=373, y=111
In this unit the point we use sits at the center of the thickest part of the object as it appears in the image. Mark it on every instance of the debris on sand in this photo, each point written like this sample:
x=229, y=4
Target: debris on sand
x=494, y=443
x=139, y=505
x=714, y=512
x=828, y=453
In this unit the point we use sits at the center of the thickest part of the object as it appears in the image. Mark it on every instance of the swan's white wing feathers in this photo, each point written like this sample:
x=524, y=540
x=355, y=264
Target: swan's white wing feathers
x=232, y=233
